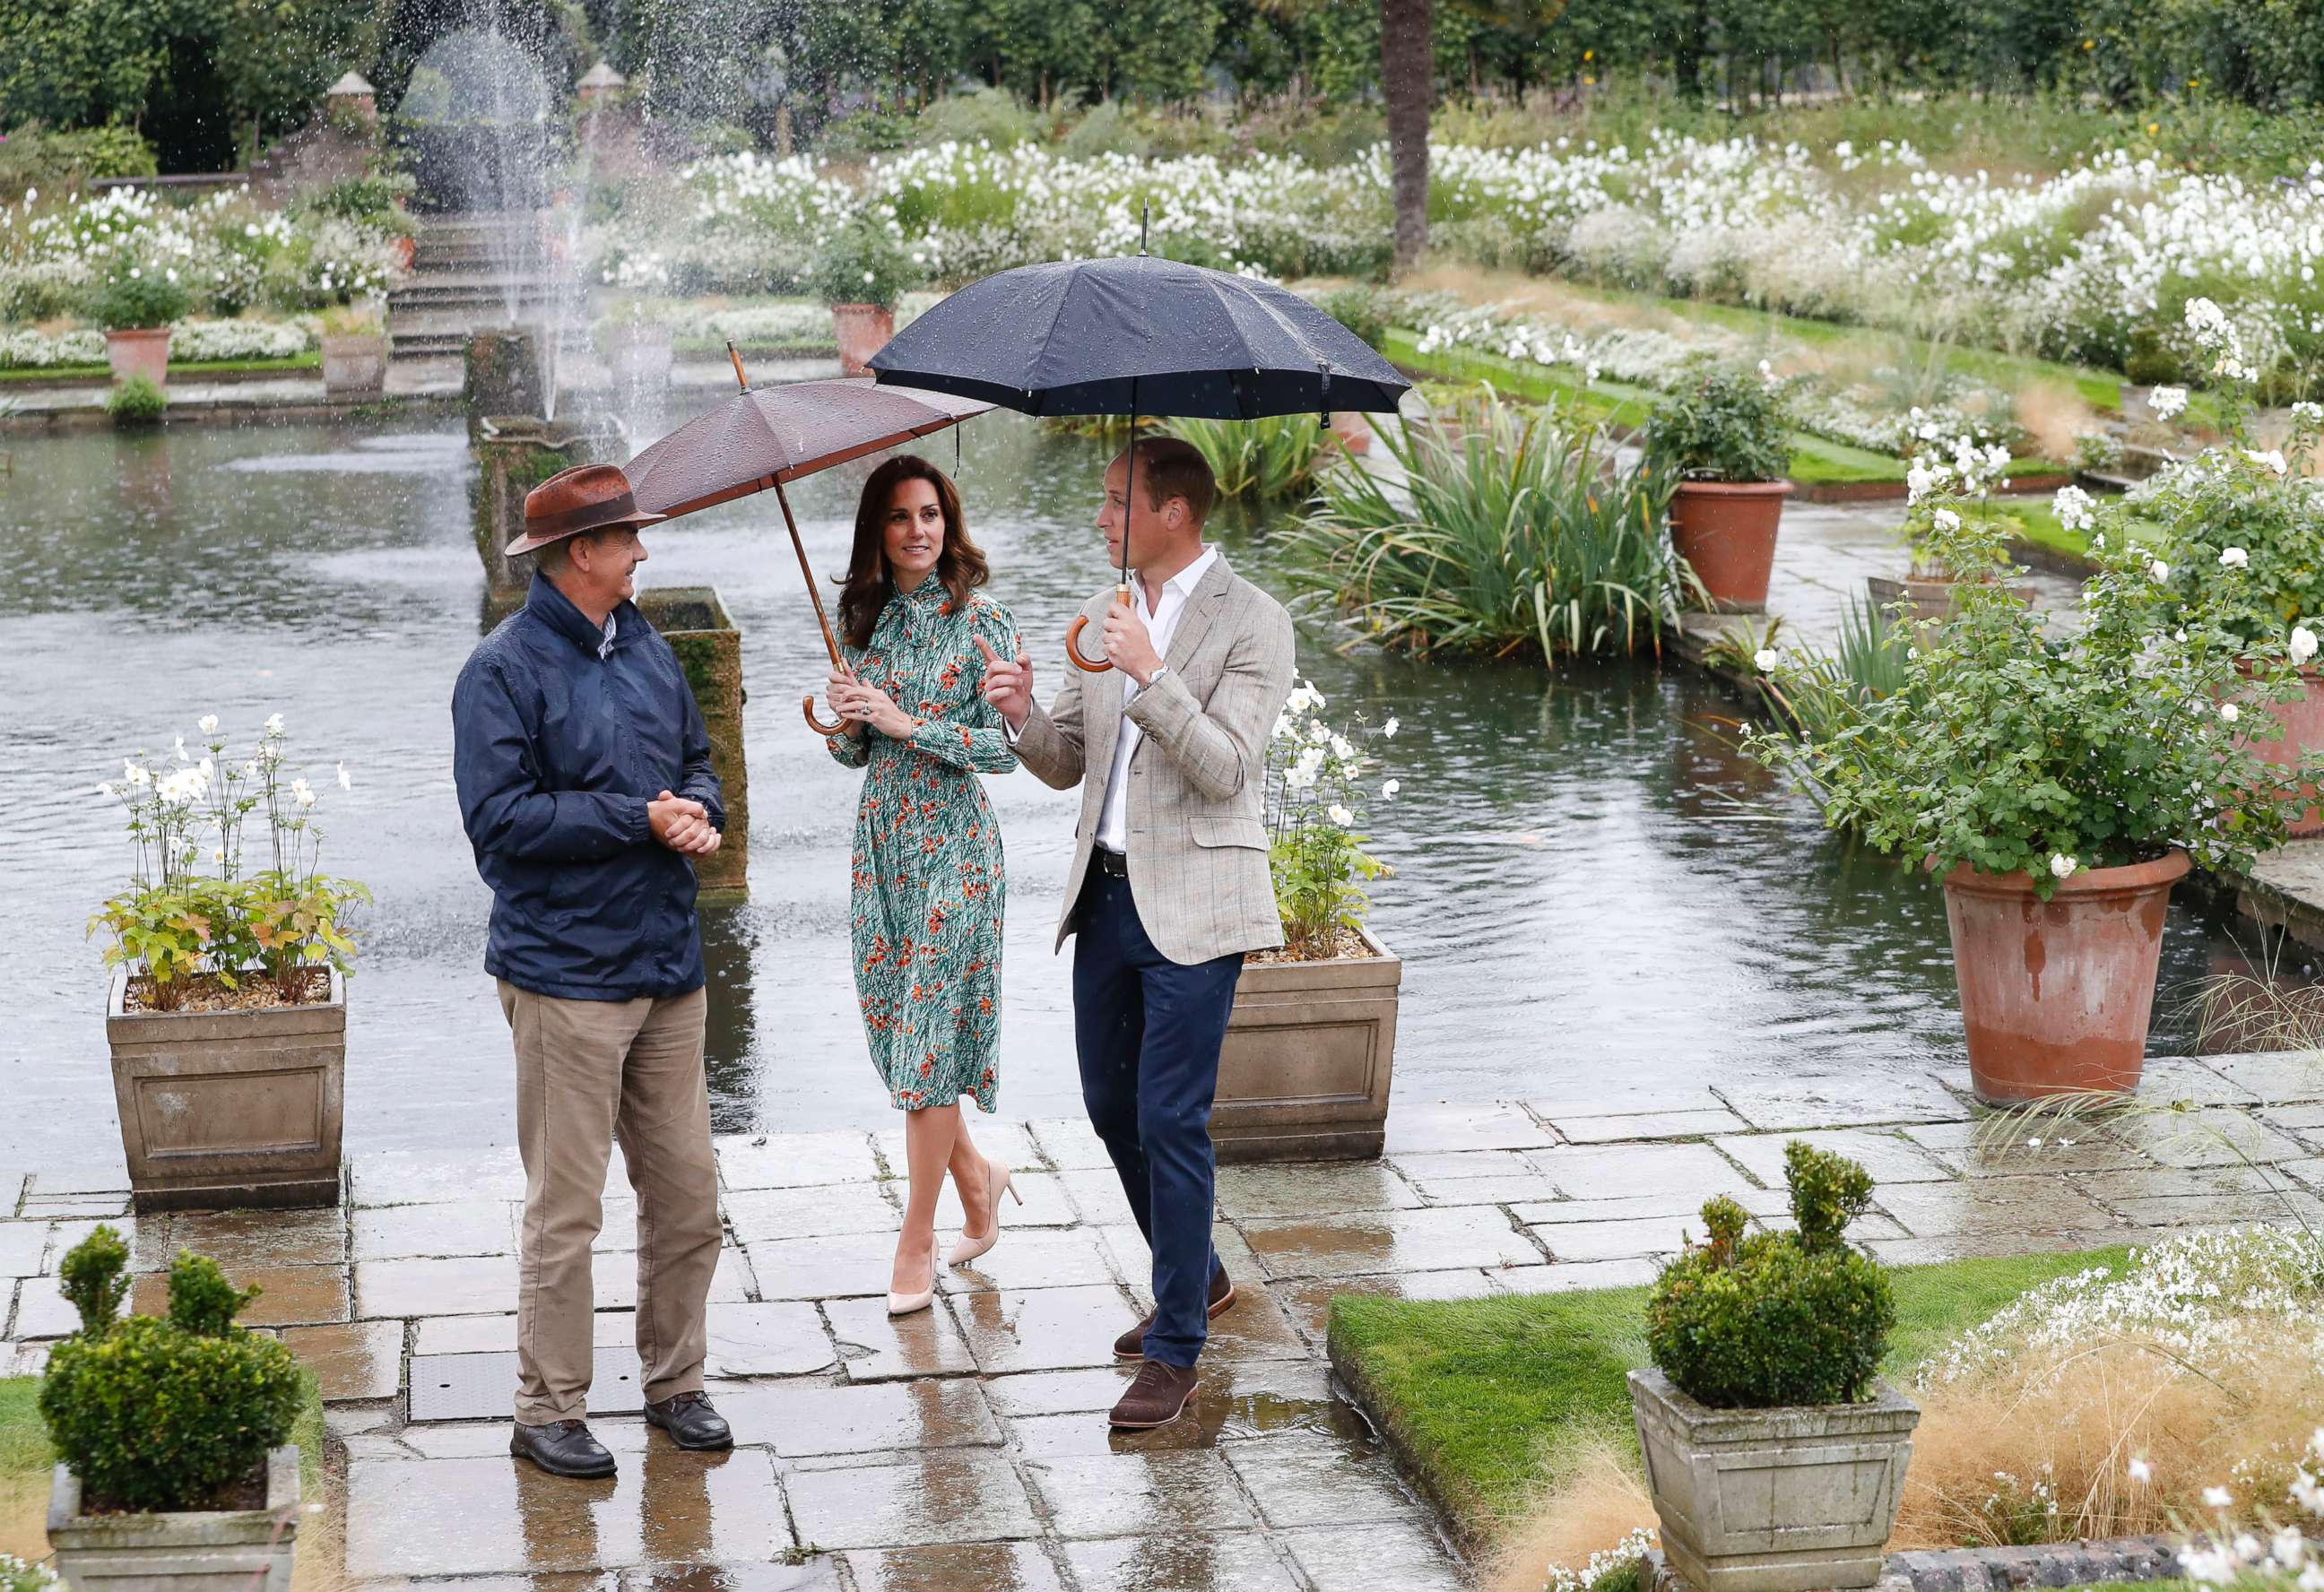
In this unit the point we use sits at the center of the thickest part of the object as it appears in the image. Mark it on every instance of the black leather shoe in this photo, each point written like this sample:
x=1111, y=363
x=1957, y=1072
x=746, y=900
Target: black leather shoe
x=690, y=1422
x=562, y=1448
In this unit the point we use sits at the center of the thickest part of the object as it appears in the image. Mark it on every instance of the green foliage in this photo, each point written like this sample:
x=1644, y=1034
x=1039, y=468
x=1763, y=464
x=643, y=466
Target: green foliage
x=1776, y=1319
x=94, y=1278
x=157, y=1415
x=1723, y=426
x=2149, y=363
x=1316, y=799
x=863, y=262
x=2010, y=751
x=374, y=201
x=2241, y=538
x=1363, y=310
x=1511, y=530
x=1269, y=458
x=137, y=298
x=137, y=401
x=32, y=157
x=16, y=1576
x=990, y=116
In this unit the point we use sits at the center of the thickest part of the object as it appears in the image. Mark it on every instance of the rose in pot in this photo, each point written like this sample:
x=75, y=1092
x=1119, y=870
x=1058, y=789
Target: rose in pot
x=2059, y=785
x=134, y=302
x=860, y=271
x=1726, y=435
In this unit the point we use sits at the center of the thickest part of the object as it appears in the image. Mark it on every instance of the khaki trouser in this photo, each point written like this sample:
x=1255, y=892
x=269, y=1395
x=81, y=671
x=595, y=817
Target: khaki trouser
x=586, y=1072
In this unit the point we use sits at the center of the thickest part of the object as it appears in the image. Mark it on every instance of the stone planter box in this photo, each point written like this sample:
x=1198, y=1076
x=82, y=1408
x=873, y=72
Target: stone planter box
x=1310, y=1048
x=144, y=353
x=226, y=1110
x=200, y=1551
x=694, y=621
x=354, y=363
x=1773, y=1500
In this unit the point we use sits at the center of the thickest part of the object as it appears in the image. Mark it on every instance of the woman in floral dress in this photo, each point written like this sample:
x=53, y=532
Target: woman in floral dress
x=929, y=882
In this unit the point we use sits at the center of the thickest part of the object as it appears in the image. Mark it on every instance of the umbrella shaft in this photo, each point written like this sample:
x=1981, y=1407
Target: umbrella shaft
x=814, y=594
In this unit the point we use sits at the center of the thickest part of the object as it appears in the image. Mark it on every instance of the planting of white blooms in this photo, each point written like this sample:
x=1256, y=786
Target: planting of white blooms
x=2270, y=1552
x=28, y=349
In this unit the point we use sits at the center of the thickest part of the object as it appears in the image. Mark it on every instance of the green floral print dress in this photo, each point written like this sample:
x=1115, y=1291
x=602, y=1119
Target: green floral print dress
x=929, y=882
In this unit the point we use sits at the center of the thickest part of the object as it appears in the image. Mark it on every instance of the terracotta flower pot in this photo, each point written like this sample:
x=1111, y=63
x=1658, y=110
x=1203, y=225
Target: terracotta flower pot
x=1354, y=429
x=863, y=329
x=144, y=352
x=2056, y=994
x=1726, y=531
x=2303, y=729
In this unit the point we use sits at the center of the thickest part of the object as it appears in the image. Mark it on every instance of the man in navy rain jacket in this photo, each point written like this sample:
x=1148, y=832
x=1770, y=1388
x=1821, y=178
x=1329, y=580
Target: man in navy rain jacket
x=586, y=788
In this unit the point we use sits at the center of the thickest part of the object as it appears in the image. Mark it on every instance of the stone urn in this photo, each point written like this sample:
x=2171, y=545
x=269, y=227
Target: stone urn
x=1779, y=1500
x=638, y=353
x=138, y=352
x=1310, y=1049
x=2303, y=719
x=862, y=330
x=247, y=1550
x=227, y=1110
x=2056, y=995
x=354, y=363
x=1726, y=532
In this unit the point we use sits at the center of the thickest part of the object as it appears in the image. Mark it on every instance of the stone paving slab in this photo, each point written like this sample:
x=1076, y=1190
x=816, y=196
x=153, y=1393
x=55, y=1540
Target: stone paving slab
x=943, y=1496
x=969, y=1567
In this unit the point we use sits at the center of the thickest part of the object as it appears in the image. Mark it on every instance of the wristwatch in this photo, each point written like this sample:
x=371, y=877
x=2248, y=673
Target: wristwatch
x=1159, y=670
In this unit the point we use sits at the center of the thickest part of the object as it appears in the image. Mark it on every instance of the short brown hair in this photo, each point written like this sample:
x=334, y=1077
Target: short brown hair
x=1172, y=467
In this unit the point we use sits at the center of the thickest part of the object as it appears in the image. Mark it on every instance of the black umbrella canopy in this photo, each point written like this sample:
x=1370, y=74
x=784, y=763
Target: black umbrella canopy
x=1138, y=335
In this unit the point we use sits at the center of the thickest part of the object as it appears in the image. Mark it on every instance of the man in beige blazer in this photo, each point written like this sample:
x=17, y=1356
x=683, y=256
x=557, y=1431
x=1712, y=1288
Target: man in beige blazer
x=1169, y=884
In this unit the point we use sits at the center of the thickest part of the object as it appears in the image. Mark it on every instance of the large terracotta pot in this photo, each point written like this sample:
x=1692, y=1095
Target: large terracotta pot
x=863, y=329
x=2303, y=729
x=1726, y=531
x=140, y=352
x=2056, y=994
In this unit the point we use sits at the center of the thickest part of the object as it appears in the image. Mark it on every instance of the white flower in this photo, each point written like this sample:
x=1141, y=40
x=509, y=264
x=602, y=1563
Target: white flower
x=2159, y=571
x=2303, y=644
x=306, y=797
x=2062, y=865
x=180, y=749
x=2166, y=402
x=2235, y=558
x=1283, y=726
x=2272, y=458
x=2075, y=508
x=1766, y=659
x=868, y=278
x=1946, y=519
x=1340, y=815
x=1389, y=728
x=2230, y=713
x=1767, y=370
x=1390, y=789
x=274, y=723
x=346, y=783
x=1342, y=749
x=2217, y=1497
x=208, y=724
x=1318, y=733
x=2198, y=706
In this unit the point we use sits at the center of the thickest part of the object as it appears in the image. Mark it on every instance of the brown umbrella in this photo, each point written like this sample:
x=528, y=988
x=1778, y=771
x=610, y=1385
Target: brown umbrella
x=772, y=434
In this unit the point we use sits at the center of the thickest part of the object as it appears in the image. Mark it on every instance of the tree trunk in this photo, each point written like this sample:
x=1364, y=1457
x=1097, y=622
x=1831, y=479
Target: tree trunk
x=1408, y=81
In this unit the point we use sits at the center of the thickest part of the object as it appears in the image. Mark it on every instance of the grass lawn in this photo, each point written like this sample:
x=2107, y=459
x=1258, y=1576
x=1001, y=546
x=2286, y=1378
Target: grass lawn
x=192, y=370
x=27, y=1458
x=1486, y=1397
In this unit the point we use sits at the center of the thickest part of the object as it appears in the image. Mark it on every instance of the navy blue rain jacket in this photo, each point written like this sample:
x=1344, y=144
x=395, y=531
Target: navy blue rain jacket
x=556, y=754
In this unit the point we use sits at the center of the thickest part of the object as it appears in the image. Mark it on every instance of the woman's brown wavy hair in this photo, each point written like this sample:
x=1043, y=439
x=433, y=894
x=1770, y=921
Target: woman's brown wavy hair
x=864, y=589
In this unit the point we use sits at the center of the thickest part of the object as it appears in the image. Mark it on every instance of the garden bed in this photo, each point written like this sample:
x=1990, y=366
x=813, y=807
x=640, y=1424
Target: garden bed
x=1485, y=1400
x=218, y=370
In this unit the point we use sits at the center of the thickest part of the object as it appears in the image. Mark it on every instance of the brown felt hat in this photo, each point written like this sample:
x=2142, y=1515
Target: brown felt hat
x=586, y=497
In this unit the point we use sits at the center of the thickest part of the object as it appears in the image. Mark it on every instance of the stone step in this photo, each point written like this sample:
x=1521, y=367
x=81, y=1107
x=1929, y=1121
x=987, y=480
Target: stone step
x=429, y=295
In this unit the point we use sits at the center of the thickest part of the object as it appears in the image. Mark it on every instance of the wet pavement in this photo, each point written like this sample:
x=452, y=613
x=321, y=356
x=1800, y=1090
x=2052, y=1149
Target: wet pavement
x=964, y=1450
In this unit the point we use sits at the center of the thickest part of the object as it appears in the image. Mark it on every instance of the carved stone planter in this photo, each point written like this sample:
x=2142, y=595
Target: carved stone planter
x=694, y=621
x=354, y=365
x=1310, y=1048
x=199, y=1550
x=1774, y=1500
x=225, y=1111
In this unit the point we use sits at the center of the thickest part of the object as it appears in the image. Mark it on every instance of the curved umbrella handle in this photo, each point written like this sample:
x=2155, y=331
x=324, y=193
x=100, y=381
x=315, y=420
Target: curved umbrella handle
x=1073, y=638
x=807, y=705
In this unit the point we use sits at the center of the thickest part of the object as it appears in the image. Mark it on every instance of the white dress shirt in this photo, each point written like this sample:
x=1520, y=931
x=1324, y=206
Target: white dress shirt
x=1161, y=623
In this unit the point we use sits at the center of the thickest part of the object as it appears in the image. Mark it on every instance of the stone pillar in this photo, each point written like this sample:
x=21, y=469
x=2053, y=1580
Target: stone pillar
x=694, y=621
x=514, y=453
x=506, y=373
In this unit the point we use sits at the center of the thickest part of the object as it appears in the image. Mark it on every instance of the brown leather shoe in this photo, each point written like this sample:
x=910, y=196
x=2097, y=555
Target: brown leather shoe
x=1131, y=1345
x=1158, y=1395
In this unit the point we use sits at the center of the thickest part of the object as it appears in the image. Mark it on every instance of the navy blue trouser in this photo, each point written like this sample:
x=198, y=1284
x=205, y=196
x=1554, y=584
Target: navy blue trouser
x=1148, y=1030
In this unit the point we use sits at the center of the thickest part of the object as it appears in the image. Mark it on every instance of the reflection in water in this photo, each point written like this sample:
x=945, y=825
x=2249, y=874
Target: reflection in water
x=1590, y=882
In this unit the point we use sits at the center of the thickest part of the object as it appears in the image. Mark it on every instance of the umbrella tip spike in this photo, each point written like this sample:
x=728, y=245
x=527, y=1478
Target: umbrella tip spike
x=1145, y=214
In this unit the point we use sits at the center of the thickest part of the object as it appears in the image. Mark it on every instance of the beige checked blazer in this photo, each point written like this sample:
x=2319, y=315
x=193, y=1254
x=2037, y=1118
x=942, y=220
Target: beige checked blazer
x=1197, y=843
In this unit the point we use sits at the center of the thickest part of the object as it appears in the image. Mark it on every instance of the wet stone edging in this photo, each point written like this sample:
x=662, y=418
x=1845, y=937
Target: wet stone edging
x=1992, y=1569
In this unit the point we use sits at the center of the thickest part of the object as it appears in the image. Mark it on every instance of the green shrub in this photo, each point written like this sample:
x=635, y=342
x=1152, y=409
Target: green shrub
x=2149, y=363
x=993, y=116
x=137, y=298
x=1776, y=1319
x=374, y=200
x=156, y=1414
x=138, y=402
x=57, y=162
x=1272, y=458
x=1362, y=309
x=1511, y=531
x=1723, y=426
x=862, y=262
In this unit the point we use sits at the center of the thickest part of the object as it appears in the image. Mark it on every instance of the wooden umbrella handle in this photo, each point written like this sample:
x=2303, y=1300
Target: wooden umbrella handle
x=817, y=725
x=1073, y=638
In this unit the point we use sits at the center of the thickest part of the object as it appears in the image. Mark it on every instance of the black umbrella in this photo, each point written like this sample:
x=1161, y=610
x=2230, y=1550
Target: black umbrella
x=1137, y=335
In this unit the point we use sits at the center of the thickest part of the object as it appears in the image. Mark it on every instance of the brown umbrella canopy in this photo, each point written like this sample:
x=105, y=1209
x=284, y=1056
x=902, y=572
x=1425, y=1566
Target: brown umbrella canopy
x=762, y=438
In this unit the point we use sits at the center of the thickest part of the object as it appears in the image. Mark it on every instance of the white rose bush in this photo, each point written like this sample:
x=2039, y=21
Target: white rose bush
x=1318, y=781
x=201, y=907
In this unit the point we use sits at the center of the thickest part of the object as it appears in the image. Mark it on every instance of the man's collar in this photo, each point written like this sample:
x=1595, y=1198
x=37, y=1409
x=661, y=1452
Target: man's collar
x=566, y=619
x=1184, y=582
